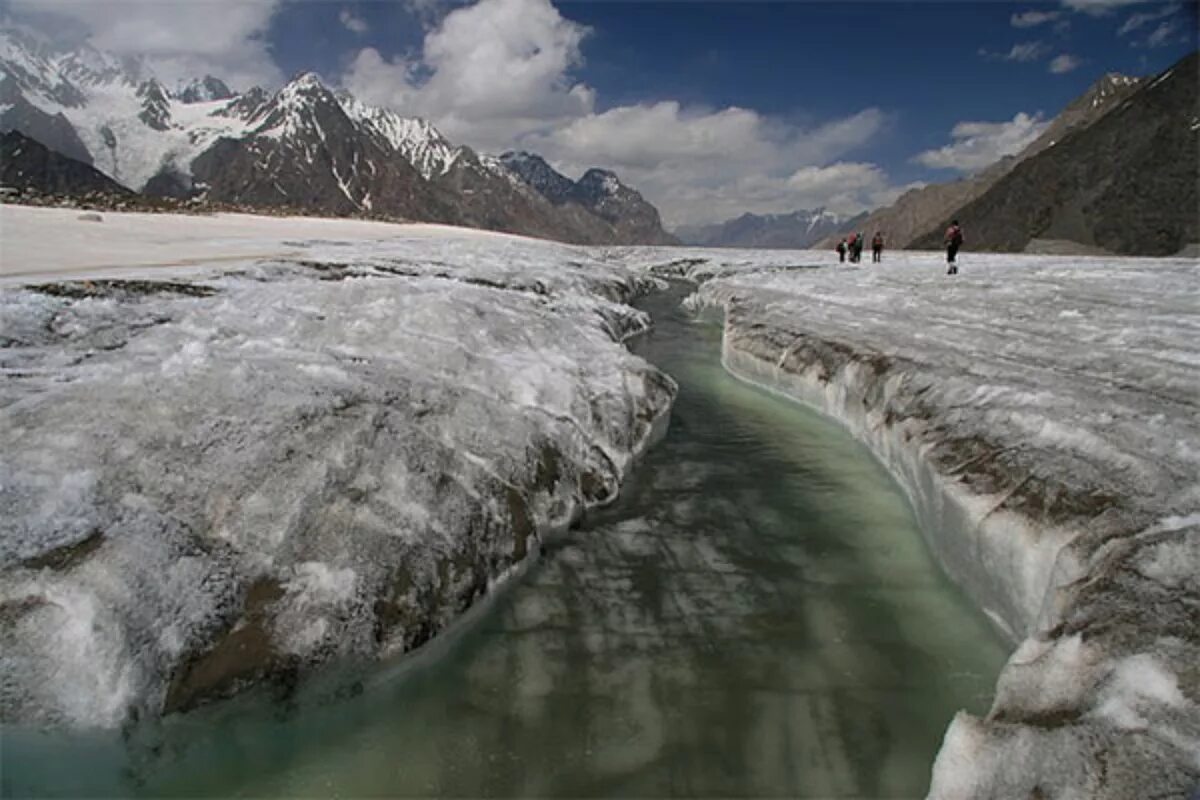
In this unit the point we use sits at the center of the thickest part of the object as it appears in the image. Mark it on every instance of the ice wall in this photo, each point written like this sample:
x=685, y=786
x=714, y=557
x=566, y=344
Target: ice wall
x=1040, y=413
x=225, y=481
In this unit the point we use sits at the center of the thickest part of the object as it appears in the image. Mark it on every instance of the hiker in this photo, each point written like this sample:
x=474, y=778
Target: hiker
x=859, y=243
x=850, y=243
x=953, y=241
x=841, y=251
x=877, y=248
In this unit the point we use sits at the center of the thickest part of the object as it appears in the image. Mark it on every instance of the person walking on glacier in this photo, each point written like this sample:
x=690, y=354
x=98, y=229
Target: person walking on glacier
x=841, y=251
x=859, y=243
x=953, y=240
x=877, y=248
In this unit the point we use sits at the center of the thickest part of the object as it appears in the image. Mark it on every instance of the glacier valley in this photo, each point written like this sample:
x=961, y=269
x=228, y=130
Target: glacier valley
x=239, y=453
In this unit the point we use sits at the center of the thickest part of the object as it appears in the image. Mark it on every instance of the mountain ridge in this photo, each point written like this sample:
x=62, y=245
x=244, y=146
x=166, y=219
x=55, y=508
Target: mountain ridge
x=918, y=210
x=303, y=146
x=1125, y=183
x=799, y=229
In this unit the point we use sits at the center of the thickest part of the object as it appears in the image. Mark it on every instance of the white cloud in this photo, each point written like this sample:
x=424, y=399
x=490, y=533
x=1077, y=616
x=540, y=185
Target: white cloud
x=1143, y=18
x=1064, y=63
x=1162, y=34
x=489, y=73
x=1031, y=19
x=704, y=166
x=498, y=75
x=178, y=40
x=1022, y=52
x=978, y=144
x=352, y=23
x=1097, y=8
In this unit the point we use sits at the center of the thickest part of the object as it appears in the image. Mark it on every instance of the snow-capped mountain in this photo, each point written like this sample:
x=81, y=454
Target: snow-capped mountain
x=302, y=147
x=203, y=90
x=533, y=170
x=797, y=230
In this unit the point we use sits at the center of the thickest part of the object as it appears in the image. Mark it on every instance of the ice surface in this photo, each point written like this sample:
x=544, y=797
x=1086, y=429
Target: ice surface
x=275, y=463
x=1041, y=414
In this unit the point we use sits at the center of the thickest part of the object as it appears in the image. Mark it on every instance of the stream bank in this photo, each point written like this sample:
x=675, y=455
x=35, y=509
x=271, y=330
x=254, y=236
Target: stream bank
x=756, y=615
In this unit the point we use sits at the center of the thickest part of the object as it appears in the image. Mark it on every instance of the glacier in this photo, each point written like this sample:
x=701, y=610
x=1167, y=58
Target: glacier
x=235, y=448
x=232, y=476
x=1041, y=415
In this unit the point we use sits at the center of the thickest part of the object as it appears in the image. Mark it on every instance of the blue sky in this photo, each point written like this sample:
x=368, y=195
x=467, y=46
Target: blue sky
x=709, y=108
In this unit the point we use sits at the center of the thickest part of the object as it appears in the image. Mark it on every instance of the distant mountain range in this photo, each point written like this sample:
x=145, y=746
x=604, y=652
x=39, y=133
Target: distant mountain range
x=1116, y=171
x=304, y=147
x=795, y=231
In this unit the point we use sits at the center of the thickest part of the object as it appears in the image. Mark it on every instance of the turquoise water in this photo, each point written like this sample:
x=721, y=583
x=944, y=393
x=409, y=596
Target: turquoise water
x=756, y=616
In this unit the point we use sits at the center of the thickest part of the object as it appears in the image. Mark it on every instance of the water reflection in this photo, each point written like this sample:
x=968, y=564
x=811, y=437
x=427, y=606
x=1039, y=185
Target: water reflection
x=756, y=616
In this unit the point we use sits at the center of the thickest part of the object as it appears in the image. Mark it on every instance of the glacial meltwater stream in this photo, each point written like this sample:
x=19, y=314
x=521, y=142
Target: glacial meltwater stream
x=757, y=615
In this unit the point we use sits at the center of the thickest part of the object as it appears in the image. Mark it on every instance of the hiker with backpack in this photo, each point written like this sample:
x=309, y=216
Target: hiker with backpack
x=841, y=250
x=953, y=240
x=859, y=244
x=877, y=248
x=851, y=242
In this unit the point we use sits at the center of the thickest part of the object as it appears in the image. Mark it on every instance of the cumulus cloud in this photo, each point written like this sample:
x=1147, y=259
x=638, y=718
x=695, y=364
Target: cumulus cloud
x=498, y=75
x=978, y=144
x=708, y=165
x=489, y=73
x=178, y=40
x=352, y=23
x=1031, y=19
x=1064, y=63
x=1022, y=52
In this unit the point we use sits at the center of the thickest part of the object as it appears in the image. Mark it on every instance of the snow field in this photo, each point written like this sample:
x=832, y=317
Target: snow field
x=1040, y=413
x=223, y=482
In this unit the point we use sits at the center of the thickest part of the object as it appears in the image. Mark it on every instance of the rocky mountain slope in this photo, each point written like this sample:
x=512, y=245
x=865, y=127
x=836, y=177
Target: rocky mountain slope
x=1126, y=183
x=27, y=164
x=797, y=230
x=303, y=147
x=917, y=211
x=598, y=192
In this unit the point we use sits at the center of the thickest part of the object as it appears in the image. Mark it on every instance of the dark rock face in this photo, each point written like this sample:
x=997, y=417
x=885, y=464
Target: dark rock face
x=1126, y=183
x=204, y=90
x=795, y=231
x=53, y=130
x=246, y=105
x=26, y=164
x=533, y=169
x=599, y=192
x=156, y=109
x=633, y=219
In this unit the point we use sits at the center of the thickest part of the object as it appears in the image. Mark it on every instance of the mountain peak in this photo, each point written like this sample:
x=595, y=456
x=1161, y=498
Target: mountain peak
x=203, y=90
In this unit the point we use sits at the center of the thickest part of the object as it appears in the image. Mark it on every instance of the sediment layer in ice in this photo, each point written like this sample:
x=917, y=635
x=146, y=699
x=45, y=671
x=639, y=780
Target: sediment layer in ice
x=226, y=479
x=1042, y=415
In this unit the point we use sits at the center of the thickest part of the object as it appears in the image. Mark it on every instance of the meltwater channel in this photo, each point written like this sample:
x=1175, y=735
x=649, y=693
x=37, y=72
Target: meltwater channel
x=757, y=615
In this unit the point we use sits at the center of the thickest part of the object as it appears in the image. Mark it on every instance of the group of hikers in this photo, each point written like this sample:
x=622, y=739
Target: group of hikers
x=852, y=247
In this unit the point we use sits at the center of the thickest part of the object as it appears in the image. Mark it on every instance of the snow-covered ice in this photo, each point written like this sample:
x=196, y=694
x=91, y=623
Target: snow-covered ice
x=223, y=479
x=1041, y=414
x=304, y=439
